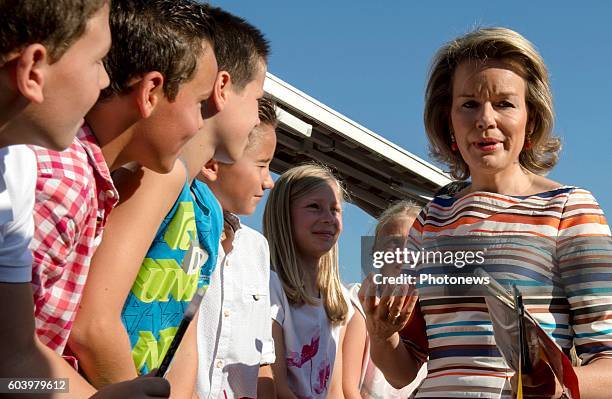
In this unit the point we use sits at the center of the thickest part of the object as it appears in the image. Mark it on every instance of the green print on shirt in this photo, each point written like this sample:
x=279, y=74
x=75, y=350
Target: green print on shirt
x=151, y=351
x=182, y=227
x=158, y=279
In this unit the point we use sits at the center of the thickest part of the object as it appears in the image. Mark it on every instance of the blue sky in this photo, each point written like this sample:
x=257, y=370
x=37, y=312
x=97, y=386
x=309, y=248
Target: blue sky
x=369, y=61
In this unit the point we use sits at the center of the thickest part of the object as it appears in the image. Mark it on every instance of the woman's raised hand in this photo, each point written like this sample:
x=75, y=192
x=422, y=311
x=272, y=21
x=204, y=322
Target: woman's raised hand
x=387, y=307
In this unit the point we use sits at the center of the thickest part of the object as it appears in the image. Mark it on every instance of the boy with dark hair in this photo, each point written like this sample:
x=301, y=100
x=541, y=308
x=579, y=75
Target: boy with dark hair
x=146, y=116
x=150, y=296
x=242, y=54
x=51, y=73
x=235, y=346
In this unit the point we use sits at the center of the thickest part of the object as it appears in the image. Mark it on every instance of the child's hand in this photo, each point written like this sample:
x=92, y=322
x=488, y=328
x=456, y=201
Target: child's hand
x=143, y=387
x=387, y=315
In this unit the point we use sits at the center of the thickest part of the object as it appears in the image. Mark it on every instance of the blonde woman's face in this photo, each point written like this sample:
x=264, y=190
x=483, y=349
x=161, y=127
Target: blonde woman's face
x=489, y=115
x=317, y=221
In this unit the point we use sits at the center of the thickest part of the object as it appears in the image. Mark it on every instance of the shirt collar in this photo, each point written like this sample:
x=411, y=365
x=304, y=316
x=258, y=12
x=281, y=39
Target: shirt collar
x=94, y=151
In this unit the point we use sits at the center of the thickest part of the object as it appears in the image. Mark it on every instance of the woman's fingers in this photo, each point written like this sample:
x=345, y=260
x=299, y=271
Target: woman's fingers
x=387, y=307
x=397, y=306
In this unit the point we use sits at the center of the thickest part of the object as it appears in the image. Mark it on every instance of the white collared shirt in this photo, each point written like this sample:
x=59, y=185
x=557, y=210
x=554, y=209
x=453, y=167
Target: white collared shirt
x=234, y=329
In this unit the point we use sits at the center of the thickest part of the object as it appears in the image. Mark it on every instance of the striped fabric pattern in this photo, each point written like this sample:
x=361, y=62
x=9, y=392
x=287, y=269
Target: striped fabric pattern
x=561, y=261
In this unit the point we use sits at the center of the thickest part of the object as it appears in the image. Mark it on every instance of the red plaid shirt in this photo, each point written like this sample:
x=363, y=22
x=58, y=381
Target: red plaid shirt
x=74, y=195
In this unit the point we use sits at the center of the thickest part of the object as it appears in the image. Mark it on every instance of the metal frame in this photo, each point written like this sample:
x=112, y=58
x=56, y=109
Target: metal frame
x=376, y=171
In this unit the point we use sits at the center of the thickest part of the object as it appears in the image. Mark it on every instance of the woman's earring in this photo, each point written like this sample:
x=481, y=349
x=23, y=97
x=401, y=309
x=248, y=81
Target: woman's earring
x=454, y=146
x=527, y=145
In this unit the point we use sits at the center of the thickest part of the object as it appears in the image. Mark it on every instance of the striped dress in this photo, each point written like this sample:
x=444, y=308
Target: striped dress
x=566, y=283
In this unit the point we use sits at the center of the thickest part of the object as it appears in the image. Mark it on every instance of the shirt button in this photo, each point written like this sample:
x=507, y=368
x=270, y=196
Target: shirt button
x=110, y=193
x=219, y=364
x=226, y=313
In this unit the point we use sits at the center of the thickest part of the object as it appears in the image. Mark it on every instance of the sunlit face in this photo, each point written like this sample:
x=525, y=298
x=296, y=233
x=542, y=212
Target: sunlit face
x=72, y=86
x=317, y=220
x=160, y=138
x=240, y=186
x=489, y=115
x=239, y=116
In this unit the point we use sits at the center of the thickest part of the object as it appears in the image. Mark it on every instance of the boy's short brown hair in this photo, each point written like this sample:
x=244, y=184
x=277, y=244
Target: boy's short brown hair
x=56, y=24
x=156, y=35
x=267, y=111
x=239, y=47
x=267, y=116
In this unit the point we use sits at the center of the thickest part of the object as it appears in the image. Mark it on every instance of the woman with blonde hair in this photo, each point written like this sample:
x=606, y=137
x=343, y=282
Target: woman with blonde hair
x=489, y=117
x=310, y=307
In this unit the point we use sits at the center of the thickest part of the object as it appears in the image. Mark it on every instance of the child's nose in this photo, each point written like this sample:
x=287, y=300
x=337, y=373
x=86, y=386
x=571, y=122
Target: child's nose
x=329, y=216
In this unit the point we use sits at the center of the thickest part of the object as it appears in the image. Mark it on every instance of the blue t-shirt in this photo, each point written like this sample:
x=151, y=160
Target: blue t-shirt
x=173, y=269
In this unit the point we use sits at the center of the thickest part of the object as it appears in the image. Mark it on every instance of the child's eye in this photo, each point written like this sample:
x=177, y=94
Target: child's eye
x=314, y=206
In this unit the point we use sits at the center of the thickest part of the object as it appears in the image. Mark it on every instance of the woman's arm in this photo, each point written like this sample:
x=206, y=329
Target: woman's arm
x=595, y=379
x=385, y=317
x=279, y=368
x=583, y=253
x=352, y=355
x=99, y=338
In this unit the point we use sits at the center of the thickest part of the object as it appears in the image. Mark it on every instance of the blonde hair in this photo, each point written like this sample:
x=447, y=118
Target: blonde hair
x=277, y=228
x=397, y=209
x=481, y=45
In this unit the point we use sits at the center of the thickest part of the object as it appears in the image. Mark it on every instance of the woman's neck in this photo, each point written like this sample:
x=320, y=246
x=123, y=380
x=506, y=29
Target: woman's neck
x=511, y=181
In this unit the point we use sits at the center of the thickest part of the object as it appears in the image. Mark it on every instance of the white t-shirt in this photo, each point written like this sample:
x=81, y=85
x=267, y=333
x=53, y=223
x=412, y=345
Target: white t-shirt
x=311, y=341
x=234, y=329
x=17, y=184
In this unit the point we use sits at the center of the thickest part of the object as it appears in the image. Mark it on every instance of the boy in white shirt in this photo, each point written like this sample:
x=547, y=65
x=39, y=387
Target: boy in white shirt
x=235, y=346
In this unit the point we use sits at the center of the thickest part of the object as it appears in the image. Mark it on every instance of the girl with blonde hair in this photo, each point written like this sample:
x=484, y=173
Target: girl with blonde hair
x=310, y=307
x=361, y=379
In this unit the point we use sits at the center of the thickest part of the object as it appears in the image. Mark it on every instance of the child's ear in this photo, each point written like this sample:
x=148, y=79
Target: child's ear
x=30, y=70
x=210, y=171
x=221, y=89
x=148, y=91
